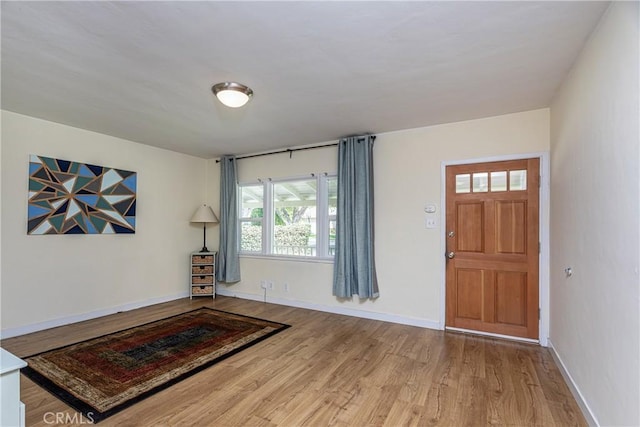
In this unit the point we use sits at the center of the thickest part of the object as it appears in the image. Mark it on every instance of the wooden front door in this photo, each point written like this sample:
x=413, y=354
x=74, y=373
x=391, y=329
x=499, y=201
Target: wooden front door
x=492, y=247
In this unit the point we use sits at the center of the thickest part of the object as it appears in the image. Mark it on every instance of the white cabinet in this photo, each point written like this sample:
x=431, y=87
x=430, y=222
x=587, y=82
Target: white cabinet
x=202, y=281
x=11, y=408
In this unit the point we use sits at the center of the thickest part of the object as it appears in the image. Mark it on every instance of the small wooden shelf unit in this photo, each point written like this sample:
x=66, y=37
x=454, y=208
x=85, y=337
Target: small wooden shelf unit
x=202, y=280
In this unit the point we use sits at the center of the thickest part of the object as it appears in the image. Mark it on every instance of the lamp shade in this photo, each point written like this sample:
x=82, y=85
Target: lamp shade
x=204, y=214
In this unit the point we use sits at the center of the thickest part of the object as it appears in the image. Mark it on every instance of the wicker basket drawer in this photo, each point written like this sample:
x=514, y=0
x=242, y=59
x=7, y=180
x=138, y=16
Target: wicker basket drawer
x=202, y=259
x=202, y=280
x=202, y=269
x=201, y=290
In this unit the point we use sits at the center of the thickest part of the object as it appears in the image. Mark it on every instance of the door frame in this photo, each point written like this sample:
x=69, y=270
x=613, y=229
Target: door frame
x=544, y=226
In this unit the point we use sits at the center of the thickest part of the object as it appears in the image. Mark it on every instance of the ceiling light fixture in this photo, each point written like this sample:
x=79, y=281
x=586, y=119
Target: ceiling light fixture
x=232, y=94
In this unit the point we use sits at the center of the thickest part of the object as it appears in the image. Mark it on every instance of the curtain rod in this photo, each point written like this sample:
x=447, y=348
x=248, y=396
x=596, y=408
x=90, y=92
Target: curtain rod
x=288, y=150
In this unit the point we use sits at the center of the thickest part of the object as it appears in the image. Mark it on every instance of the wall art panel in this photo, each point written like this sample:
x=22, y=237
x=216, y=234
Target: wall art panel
x=79, y=198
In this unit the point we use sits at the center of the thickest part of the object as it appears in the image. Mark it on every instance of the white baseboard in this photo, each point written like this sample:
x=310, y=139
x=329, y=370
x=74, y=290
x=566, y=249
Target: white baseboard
x=40, y=326
x=582, y=403
x=403, y=320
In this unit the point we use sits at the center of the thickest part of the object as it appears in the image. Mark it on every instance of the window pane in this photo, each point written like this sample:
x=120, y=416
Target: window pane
x=499, y=181
x=252, y=201
x=251, y=236
x=480, y=182
x=332, y=203
x=294, y=204
x=462, y=183
x=332, y=189
x=518, y=180
x=332, y=237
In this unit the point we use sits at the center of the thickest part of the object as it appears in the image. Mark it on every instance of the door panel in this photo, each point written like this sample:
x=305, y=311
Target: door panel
x=511, y=297
x=511, y=226
x=492, y=230
x=469, y=218
x=469, y=286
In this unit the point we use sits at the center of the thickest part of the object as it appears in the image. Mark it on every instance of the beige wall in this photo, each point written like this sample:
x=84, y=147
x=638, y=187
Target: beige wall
x=407, y=177
x=46, y=279
x=595, y=323
x=1, y=274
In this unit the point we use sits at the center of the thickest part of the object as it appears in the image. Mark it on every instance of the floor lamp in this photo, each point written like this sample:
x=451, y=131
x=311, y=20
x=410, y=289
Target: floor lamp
x=204, y=214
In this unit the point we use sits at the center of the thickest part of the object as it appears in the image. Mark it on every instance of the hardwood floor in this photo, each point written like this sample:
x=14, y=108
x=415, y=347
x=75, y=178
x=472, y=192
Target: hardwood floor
x=329, y=369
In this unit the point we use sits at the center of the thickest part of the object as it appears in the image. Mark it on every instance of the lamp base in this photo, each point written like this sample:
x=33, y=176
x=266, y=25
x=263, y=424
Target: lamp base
x=204, y=238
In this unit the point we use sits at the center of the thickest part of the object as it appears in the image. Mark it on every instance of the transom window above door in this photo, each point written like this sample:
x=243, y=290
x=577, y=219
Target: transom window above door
x=491, y=181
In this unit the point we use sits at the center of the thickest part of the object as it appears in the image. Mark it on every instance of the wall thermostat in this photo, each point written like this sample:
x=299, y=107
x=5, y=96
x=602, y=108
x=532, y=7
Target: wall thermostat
x=430, y=209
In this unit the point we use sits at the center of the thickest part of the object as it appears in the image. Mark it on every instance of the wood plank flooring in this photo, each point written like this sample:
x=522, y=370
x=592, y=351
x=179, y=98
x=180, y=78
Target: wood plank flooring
x=331, y=370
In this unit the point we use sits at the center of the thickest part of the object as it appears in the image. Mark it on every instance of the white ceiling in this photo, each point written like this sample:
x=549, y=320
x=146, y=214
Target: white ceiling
x=319, y=70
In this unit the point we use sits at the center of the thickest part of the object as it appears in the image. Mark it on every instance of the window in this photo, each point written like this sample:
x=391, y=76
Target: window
x=518, y=180
x=332, y=210
x=499, y=181
x=482, y=182
x=462, y=183
x=251, y=217
x=294, y=215
x=289, y=218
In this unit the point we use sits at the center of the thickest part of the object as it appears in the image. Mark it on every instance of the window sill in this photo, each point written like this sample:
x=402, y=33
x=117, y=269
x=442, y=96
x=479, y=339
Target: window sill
x=317, y=260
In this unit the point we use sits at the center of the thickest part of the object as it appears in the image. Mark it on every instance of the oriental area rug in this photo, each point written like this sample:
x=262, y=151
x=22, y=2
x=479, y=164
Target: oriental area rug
x=102, y=376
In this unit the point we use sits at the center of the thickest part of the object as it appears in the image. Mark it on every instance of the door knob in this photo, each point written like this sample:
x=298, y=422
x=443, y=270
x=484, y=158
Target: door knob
x=451, y=255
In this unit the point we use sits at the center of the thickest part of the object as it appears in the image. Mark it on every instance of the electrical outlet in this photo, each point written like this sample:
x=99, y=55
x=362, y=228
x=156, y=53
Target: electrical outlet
x=270, y=285
x=263, y=284
x=286, y=286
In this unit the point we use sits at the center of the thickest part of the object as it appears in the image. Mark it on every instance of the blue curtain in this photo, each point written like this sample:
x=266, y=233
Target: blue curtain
x=354, y=271
x=228, y=266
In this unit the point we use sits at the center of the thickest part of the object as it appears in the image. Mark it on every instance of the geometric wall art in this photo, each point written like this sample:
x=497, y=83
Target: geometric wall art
x=79, y=198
